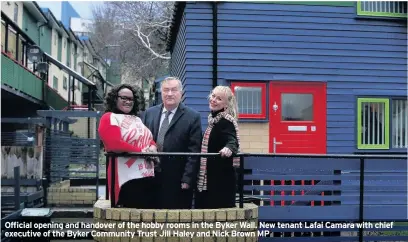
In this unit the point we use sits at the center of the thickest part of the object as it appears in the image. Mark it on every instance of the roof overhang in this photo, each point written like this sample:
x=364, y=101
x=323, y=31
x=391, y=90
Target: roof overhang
x=52, y=21
x=64, y=30
x=178, y=11
x=77, y=40
x=72, y=35
x=35, y=11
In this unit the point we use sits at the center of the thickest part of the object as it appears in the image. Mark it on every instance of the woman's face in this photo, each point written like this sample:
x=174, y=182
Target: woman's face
x=125, y=100
x=218, y=101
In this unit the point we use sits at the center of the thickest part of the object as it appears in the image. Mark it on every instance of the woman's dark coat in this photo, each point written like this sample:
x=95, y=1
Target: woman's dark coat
x=221, y=181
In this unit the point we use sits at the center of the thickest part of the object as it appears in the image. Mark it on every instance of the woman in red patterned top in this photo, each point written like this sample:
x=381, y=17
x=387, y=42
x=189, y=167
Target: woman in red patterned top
x=121, y=130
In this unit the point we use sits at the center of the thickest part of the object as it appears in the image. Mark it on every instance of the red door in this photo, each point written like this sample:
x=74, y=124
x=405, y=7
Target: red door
x=297, y=117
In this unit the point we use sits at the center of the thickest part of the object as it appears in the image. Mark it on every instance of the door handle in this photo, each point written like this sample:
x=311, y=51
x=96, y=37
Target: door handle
x=274, y=144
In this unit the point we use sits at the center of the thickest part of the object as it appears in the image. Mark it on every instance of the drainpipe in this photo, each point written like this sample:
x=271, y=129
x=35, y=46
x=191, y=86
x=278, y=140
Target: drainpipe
x=215, y=44
x=44, y=77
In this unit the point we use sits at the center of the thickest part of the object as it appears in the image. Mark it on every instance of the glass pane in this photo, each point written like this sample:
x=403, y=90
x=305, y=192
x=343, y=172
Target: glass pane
x=399, y=124
x=11, y=48
x=297, y=107
x=21, y=51
x=3, y=36
x=373, y=119
x=249, y=99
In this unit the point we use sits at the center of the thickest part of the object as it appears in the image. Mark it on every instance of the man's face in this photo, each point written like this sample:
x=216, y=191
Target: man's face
x=171, y=94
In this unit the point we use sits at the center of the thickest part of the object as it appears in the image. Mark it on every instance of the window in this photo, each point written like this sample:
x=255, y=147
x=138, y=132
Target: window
x=12, y=38
x=374, y=125
x=55, y=83
x=22, y=50
x=65, y=83
x=251, y=99
x=15, y=17
x=3, y=35
x=297, y=107
x=399, y=124
x=396, y=9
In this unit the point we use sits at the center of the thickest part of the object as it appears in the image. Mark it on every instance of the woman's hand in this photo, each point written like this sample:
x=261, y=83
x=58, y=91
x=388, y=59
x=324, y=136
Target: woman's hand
x=152, y=149
x=225, y=152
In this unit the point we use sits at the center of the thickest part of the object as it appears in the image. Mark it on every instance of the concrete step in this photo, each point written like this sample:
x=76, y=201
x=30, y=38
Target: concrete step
x=71, y=240
x=66, y=215
x=69, y=212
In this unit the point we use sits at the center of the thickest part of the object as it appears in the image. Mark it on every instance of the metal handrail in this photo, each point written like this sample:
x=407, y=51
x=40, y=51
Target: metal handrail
x=359, y=158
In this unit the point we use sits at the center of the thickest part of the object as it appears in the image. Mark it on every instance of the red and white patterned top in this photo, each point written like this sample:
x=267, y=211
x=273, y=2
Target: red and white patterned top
x=126, y=133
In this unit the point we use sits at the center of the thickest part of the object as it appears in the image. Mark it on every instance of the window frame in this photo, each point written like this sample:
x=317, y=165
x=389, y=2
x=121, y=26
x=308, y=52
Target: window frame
x=263, y=86
x=388, y=146
x=386, y=124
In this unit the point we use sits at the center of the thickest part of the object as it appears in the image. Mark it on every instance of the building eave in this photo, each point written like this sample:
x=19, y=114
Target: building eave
x=52, y=21
x=35, y=11
x=178, y=11
x=64, y=31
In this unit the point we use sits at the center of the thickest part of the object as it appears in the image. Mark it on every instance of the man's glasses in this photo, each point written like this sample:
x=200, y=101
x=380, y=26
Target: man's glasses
x=123, y=98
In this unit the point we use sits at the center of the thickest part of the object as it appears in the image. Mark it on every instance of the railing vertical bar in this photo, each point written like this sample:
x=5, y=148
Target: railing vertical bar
x=361, y=206
x=241, y=181
x=113, y=178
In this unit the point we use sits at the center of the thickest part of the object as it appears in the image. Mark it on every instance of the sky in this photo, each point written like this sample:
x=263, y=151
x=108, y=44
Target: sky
x=83, y=8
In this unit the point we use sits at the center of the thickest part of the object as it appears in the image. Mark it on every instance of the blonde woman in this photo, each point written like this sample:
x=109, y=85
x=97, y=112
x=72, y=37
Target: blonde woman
x=216, y=179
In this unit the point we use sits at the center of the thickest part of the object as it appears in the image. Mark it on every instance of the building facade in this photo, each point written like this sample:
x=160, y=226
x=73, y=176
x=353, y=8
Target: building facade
x=25, y=24
x=309, y=77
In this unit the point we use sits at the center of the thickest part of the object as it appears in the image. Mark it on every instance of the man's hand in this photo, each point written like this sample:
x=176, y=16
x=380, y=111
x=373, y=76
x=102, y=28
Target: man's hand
x=184, y=186
x=225, y=152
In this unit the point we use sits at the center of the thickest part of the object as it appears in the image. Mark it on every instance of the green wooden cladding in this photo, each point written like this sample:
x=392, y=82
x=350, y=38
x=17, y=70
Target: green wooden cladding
x=30, y=26
x=54, y=100
x=16, y=76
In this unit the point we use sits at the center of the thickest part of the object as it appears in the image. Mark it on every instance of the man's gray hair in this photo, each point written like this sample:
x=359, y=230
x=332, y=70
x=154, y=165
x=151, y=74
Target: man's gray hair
x=171, y=78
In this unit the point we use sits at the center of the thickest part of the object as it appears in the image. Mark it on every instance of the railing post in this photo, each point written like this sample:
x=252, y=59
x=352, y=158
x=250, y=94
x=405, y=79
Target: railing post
x=45, y=189
x=106, y=184
x=241, y=181
x=361, y=206
x=17, y=187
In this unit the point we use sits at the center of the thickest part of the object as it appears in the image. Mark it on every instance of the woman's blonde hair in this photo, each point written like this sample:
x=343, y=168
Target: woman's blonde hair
x=232, y=106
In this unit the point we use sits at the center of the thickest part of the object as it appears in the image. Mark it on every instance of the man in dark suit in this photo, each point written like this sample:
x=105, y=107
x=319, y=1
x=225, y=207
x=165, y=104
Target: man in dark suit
x=175, y=128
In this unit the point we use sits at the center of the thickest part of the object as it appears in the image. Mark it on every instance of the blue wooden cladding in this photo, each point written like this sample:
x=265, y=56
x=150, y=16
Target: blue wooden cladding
x=384, y=197
x=294, y=42
x=354, y=56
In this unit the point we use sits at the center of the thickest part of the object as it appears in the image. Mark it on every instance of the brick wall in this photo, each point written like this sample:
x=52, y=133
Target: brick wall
x=254, y=137
x=104, y=214
x=61, y=194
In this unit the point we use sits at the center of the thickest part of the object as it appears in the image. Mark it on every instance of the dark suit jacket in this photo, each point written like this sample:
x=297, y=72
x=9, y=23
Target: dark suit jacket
x=184, y=135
